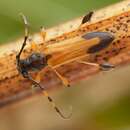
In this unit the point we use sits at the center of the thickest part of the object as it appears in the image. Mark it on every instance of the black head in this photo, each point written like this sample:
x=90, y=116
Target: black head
x=35, y=62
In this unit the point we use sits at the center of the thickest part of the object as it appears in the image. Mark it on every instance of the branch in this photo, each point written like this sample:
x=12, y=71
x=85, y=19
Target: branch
x=13, y=87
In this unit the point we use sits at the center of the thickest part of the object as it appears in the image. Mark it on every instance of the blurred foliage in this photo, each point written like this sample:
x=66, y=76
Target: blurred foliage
x=41, y=12
x=117, y=115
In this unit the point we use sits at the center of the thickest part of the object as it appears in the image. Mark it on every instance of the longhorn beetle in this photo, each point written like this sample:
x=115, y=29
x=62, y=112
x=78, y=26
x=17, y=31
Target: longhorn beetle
x=37, y=61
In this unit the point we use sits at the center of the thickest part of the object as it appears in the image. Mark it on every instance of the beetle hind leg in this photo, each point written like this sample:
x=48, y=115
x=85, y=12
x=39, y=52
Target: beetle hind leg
x=87, y=63
x=106, y=66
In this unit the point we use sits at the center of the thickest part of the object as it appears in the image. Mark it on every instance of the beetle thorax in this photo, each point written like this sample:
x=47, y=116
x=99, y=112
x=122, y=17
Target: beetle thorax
x=35, y=62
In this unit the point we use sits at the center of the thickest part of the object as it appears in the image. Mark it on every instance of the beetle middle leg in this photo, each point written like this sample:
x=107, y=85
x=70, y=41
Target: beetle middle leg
x=62, y=78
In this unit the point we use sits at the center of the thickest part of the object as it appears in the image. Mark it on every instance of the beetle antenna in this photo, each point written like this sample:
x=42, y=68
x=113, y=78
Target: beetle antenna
x=25, y=37
x=49, y=98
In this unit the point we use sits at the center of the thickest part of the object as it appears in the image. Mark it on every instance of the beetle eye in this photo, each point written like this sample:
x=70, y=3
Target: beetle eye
x=48, y=56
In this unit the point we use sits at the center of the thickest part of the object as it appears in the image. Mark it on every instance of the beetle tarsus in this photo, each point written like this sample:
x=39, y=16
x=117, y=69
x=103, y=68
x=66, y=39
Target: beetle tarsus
x=106, y=66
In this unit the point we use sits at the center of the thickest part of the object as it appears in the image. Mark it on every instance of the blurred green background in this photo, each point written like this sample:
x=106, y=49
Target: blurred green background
x=101, y=103
x=41, y=12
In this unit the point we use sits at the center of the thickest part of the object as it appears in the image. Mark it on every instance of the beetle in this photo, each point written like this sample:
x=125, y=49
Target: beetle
x=38, y=61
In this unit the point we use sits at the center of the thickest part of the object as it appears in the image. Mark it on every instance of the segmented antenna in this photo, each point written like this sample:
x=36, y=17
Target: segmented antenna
x=25, y=23
x=25, y=37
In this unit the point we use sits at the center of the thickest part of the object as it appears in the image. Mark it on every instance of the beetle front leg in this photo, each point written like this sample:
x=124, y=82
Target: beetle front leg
x=43, y=33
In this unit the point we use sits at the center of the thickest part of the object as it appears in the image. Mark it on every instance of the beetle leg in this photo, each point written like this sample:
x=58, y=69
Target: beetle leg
x=106, y=66
x=43, y=33
x=34, y=46
x=37, y=79
x=88, y=63
x=62, y=78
